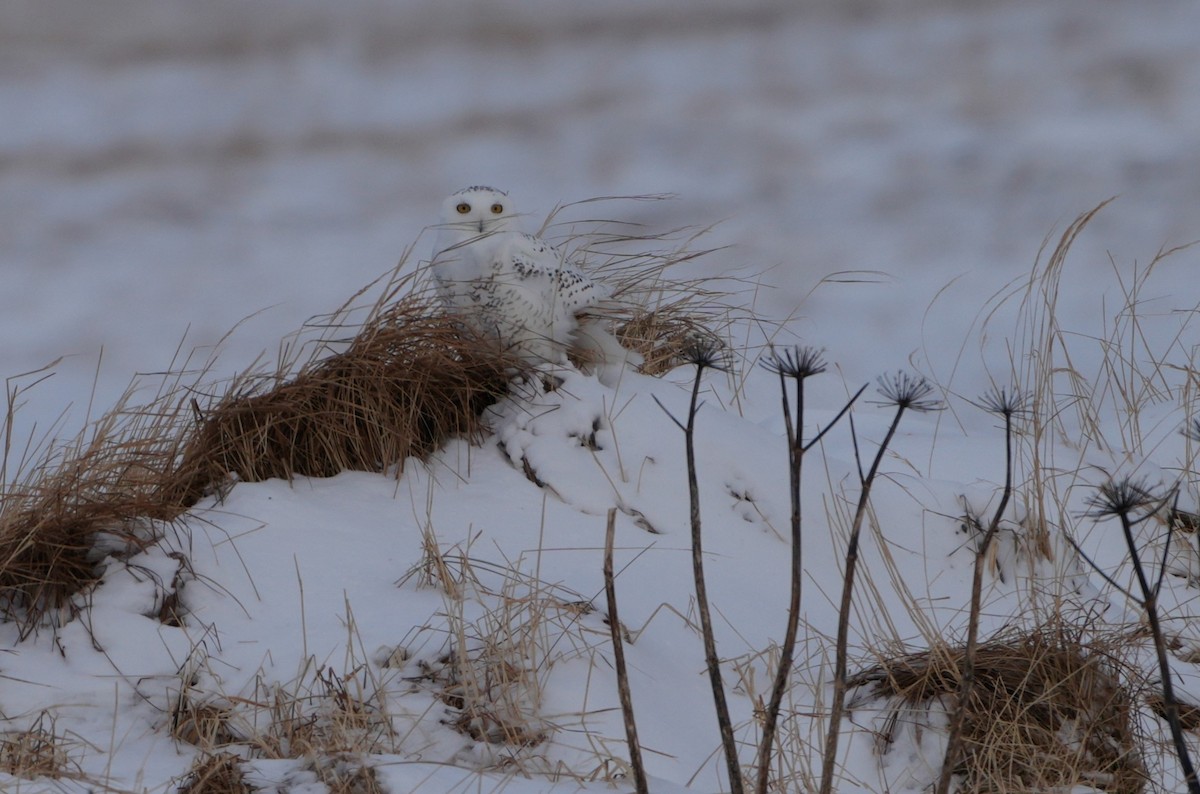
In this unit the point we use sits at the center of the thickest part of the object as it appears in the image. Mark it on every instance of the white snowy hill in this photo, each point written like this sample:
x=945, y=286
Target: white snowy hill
x=441, y=625
x=881, y=176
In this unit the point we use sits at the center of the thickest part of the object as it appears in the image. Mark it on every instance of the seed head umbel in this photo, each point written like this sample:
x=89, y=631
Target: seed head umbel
x=1192, y=429
x=704, y=352
x=797, y=362
x=908, y=391
x=1122, y=498
x=1006, y=402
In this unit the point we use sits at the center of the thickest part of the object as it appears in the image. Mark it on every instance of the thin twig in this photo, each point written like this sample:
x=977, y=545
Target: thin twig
x=954, y=742
x=724, y=724
x=614, y=625
x=905, y=393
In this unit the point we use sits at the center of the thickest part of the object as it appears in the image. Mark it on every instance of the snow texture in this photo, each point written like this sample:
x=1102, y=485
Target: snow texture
x=884, y=176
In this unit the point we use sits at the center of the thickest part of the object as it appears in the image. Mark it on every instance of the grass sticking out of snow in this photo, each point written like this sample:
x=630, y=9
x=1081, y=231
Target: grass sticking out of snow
x=215, y=774
x=162, y=524
x=1049, y=709
x=407, y=379
x=40, y=751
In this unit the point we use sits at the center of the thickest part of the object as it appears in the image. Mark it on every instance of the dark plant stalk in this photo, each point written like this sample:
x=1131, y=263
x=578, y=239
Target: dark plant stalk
x=1170, y=704
x=839, y=672
x=724, y=724
x=1122, y=499
x=799, y=366
x=787, y=650
x=641, y=786
x=967, y=681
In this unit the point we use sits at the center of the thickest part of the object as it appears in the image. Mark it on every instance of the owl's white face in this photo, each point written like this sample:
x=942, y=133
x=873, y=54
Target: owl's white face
x=479, y=210
x=472, y=212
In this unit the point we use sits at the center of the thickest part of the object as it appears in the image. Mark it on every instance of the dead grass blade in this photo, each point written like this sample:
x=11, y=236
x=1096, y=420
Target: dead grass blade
x=1047, y=711
x=39, y=751
x=216, y=774
x=406, y=383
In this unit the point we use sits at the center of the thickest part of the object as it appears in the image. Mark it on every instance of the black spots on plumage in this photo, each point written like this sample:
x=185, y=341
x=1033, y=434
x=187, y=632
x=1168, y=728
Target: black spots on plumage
x=537, y=243
x=524, y=268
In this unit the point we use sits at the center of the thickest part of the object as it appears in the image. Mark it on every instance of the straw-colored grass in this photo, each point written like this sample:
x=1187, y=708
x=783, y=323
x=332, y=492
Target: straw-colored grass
x=39, y=751
x=107, y=482
x=1048, y=711
x=216, y=774
x=494, y=666
x=407, y=382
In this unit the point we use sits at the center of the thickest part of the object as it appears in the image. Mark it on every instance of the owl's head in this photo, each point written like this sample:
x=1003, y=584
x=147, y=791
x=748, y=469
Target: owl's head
x=478, y=210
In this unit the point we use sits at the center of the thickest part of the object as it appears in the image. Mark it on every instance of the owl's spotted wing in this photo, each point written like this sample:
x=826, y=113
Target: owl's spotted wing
x=518, y=289
x=536, y=266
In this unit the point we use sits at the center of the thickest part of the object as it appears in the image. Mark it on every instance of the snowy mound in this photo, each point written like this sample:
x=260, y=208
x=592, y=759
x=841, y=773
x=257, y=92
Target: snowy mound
x=442, y=624
x=451, y=622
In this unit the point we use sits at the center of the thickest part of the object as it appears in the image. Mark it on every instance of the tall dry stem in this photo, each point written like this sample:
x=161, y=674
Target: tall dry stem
x=905, y=393
x=798, y=365
x=1006, y=404
x=641, y=785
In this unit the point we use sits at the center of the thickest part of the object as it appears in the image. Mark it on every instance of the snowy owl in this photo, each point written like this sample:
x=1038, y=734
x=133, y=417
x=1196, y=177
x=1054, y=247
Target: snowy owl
x=517, y=288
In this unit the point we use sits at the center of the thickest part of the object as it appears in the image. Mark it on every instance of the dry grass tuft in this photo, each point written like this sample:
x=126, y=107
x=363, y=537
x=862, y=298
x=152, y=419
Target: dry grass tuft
x=38, y=752
x=664, y=335
x=346, y=775
x=407, y=382
x=216, y=774
x=494, y=663
x=321, y=713
x=1189, y=714
x=1047, y=711
x=202, y=724
x=106, y=483
x=656, y=313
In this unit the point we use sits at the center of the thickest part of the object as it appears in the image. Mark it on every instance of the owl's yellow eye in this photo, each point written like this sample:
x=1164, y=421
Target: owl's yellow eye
x=463, y=208
x=497, y=209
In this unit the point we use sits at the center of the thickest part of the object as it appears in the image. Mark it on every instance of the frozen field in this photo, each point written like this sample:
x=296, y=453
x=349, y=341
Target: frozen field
x=876, y=174
x=172, y=167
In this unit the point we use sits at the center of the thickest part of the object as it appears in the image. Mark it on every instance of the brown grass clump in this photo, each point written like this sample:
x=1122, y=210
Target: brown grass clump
x=38, y=752
x=1189, y=714
x=663, y=336
x=407, y=382
x=346, y=775
x=106, y=482
x=495, y=664
x=1046, y=711
x=216, y=774
x=320, y=713
x=200, y=723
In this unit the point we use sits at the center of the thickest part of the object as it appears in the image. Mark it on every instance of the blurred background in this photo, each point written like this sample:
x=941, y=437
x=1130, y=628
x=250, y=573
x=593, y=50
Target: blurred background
x=169, y=167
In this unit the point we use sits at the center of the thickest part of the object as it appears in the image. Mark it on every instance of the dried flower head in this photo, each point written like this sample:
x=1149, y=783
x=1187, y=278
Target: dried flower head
x=909, y=392
x=1006, y=402
x=797, y=362
x=704, y=352
x=1123, y=497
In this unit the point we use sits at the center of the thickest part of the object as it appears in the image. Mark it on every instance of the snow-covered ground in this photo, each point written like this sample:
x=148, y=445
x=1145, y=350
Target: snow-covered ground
x=168, y=169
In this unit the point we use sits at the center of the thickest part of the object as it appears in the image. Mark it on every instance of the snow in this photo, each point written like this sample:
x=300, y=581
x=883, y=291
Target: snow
x=883, y=176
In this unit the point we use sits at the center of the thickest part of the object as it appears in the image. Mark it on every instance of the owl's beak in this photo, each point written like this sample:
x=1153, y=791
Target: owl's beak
x=482, y=227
